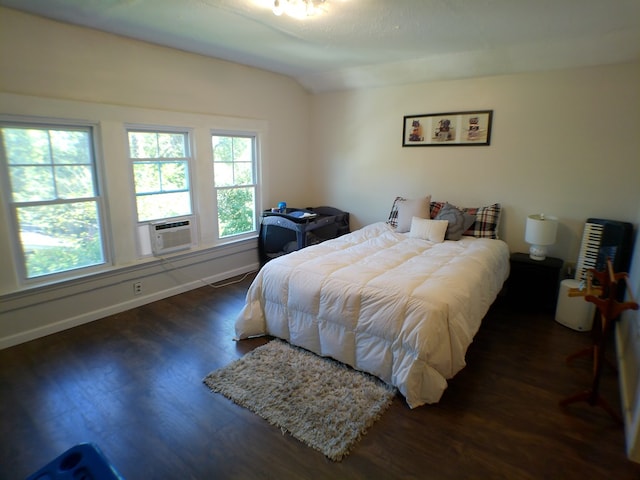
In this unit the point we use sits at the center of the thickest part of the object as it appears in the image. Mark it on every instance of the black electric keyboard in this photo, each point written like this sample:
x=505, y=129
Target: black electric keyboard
x=604, y=239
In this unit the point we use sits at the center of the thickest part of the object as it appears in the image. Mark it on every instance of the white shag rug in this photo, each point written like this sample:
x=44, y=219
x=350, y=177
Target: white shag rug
x=319, y=401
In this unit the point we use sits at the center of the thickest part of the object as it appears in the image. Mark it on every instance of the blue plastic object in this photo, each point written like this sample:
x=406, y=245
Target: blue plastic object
x=84, y=461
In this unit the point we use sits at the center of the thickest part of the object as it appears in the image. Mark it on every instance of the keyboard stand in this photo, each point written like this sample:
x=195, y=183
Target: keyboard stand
x=608, y=310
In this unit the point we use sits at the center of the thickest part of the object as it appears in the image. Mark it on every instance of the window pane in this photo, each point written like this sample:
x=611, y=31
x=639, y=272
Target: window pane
x=70, y=147
x=242, y=149
x=236, y=211
x=223, y=174
x=143, y=145
x=174, y=176
x=74, y=182
x=163, y=205
x=157, y=145
x=32, y=184
x=222, y=149
x=234, y=179
x=26, y=146
x=243, y=173
x=48, y=167
x=32, y=181
x=146, y=177
x=58, y=238
x=161, y=174
x=172, y=145
x=233, y=161
x=156, y=177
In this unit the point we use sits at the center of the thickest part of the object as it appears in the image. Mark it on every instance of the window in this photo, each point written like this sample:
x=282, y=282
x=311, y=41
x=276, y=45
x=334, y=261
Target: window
x=234, y=172
x=52, y=192
x=161, y=173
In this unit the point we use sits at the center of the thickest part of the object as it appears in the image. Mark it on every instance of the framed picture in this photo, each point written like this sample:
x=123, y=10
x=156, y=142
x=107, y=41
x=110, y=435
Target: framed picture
x=447, y=129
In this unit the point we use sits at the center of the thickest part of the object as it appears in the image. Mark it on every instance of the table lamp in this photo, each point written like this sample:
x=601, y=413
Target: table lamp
x=540, y=232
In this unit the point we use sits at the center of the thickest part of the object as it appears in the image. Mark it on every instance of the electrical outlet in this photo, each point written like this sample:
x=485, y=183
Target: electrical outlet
x=137, y=288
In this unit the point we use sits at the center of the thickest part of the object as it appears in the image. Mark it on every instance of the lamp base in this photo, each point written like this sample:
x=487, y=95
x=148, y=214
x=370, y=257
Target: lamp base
x=537, y=252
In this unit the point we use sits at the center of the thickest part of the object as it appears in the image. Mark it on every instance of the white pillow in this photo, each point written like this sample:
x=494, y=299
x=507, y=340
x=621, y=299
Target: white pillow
x=407, y=209
x=427, y=229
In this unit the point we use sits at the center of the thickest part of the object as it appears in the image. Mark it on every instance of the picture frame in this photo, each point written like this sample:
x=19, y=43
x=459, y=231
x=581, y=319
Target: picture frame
x=452, y=129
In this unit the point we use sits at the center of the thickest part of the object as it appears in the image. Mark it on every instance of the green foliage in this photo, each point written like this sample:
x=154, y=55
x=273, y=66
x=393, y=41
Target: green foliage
x=68, y=237
x=236, y=211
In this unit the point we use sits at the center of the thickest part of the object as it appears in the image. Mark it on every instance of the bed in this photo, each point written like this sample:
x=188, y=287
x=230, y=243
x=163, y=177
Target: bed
x=401, y=305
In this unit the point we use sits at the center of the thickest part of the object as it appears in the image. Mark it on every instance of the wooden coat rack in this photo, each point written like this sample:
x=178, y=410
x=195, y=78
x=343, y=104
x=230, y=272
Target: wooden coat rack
x=605, y=297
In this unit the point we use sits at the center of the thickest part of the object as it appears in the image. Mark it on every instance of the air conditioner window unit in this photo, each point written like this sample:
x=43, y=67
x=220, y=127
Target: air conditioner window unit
x=172, y=236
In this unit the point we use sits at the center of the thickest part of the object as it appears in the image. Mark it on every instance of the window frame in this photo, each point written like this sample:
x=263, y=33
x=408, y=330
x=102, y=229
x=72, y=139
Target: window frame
x=256, y=184
x=189, y=159
x=11, y=206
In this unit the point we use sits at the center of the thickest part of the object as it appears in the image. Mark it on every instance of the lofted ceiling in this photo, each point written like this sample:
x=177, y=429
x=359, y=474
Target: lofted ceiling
x=369, y=43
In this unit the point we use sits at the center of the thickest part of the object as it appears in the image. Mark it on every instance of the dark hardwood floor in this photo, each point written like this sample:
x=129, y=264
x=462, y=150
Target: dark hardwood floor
x=132, y=384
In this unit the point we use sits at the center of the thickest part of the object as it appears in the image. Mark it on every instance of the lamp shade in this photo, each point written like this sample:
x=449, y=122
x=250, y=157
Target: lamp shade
x=540, y=231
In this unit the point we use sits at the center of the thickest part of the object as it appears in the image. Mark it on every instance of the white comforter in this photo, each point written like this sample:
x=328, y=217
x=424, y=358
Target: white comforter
x=400, y=308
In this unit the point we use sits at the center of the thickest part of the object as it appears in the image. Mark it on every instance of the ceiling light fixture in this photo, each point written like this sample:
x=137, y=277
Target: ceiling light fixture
x=297, y=8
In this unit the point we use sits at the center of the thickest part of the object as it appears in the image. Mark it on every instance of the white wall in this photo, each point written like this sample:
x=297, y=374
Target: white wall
x=564, y=143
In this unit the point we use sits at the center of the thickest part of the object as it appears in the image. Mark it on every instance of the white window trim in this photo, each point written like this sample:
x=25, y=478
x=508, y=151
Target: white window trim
x=19, y=260
x=257, y=142
x=190, y=163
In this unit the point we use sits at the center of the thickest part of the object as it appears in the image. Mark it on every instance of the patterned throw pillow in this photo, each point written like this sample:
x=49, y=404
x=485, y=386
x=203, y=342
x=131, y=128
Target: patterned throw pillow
x=459, y=221
x=435, y=208
x=486, y=223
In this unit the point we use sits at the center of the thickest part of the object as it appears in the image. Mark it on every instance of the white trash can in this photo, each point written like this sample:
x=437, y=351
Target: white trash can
x=574, y=312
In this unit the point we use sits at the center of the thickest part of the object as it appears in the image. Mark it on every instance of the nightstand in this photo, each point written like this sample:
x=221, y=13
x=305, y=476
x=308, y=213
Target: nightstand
x=533, y=284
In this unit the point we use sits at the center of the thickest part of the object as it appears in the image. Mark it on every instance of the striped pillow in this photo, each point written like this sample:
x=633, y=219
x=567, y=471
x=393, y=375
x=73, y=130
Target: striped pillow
x=435, y=208
x=487, y=221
